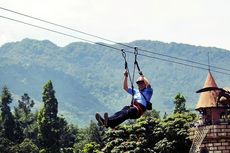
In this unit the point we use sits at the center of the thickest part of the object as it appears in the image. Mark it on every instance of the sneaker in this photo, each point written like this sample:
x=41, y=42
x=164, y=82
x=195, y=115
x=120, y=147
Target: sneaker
x=99, y=119
x=106, y=116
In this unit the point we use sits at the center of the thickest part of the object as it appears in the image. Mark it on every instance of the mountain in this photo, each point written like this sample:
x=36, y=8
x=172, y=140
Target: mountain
x=88, y=78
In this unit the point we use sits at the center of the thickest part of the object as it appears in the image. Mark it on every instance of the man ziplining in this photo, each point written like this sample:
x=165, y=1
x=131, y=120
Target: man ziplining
x=140, y=102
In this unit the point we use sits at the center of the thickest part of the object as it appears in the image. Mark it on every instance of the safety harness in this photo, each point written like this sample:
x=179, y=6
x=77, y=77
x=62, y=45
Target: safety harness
x=140, y=108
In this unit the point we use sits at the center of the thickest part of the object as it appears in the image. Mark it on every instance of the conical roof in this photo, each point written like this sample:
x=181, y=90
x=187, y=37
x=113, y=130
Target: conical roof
x=208, y=98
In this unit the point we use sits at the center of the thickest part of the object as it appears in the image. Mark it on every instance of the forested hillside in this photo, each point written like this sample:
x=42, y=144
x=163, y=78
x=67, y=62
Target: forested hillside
x=44, y=131
x=88, y=77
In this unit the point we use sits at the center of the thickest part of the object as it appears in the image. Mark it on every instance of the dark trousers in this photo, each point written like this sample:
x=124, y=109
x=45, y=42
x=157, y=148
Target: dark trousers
x=127, y=112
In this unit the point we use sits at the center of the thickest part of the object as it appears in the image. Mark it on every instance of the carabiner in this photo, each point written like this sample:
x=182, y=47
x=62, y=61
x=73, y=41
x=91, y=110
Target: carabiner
x=123, y=53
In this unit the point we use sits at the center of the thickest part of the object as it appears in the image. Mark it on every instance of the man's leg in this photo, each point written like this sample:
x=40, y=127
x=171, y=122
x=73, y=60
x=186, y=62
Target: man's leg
x=133, y=113
x=118, y=117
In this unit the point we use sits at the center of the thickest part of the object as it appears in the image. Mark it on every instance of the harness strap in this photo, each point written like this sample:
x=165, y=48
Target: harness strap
x=140, y=109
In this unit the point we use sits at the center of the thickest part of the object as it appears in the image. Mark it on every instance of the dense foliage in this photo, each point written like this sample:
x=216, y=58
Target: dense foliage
x=25, y=131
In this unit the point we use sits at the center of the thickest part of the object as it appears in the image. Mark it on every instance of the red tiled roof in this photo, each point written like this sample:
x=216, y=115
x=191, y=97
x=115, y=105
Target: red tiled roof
x=208, y=98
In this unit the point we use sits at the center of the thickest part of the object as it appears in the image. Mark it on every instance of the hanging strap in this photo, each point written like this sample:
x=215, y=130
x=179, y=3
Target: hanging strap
x=134, y=69
x=124, y=56
x=144, y=97
x=135, y=62
x=129, y=75
x=126, y=65
x=148, y=103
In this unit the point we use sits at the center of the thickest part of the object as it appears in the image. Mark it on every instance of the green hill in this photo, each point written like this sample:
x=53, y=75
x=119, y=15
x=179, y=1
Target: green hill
x=88, y=78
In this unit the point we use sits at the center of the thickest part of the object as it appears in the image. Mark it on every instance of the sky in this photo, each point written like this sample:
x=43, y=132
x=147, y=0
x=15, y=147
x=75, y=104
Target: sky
x=196, y=22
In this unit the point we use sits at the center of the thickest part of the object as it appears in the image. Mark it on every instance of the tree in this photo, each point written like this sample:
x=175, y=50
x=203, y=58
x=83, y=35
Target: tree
x=48, y=121
x=164, y=146
x=81, y=140
x=165, y=115
x=67, y=134
x=88, y=137
x=27, y=146
x=179, y=102
x=91, y=148
x=8, y=123
x=25, y=104
x=153, y=113
x=139, y=137
x=94, y=134
x=176, y=133
x=24, y=117
x=5, y=144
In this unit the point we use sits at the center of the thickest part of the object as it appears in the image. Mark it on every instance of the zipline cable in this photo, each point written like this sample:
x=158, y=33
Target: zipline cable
x=55, y=31
x=198, y=67
x=62, y=26
x=111, y=47
x=194, y=62
x=144, y=50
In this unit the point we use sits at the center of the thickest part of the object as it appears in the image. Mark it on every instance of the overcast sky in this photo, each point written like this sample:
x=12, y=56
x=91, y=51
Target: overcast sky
x=195, y=22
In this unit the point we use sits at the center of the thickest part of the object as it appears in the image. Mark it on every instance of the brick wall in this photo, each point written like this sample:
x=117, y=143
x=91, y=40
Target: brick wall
x=217, y=139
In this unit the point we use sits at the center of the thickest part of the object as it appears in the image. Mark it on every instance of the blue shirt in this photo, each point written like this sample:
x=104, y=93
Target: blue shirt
x=138, y=97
